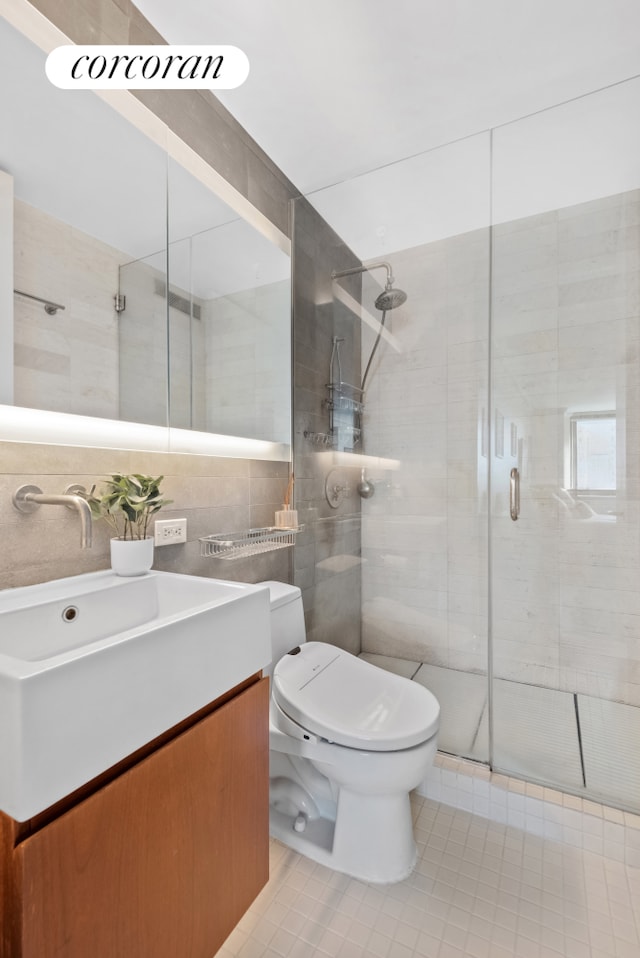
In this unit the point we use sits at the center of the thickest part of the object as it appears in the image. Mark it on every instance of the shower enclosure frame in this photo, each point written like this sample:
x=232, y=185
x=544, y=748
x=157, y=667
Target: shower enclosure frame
x=542, y=623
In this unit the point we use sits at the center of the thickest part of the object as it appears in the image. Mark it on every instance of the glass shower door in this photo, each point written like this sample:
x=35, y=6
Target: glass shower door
x=565, y=435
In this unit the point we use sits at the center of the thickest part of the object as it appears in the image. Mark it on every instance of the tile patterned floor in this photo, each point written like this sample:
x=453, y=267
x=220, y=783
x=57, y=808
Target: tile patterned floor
x=480, y=890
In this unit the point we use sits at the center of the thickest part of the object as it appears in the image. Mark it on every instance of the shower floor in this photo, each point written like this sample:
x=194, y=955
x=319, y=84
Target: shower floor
x=575, y=742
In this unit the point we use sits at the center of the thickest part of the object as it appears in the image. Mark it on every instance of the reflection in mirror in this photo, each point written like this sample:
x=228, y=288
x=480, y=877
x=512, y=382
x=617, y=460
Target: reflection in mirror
x=229, y=319
x=593, y=452
x=142, y=340
x=88, y=196
x=593, y=465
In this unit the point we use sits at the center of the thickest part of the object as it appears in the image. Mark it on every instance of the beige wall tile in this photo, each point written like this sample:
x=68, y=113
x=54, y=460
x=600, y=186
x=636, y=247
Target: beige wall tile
x=212, y=494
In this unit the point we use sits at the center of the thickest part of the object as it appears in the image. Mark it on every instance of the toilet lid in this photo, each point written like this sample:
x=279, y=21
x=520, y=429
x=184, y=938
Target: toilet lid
x=351, y=702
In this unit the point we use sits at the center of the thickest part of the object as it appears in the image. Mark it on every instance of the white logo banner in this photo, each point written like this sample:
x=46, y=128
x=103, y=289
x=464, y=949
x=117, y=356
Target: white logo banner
x=103, y=67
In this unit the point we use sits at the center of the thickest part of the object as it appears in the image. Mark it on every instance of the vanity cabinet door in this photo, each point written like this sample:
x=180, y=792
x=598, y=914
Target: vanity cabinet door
x=163, y=861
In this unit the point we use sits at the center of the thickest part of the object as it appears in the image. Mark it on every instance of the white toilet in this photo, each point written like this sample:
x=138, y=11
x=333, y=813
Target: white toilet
x=348, y=742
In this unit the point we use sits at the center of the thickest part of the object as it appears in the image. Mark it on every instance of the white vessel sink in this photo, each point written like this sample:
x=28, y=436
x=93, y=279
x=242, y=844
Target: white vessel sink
x=94, y=666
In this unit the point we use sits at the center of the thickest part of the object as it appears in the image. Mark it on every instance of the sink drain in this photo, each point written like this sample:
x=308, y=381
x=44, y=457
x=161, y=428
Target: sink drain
x=70, y=613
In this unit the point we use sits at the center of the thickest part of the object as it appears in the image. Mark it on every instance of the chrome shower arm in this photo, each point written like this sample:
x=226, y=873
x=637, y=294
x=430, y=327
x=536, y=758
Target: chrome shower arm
x=338, y=273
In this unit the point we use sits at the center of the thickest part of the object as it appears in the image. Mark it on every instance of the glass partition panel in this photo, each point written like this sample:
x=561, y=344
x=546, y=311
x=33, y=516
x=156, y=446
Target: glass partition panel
x=394, y=445
x=565, y=377
x=467, y=452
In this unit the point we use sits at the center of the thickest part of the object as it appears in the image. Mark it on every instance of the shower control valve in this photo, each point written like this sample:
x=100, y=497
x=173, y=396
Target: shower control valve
x=336, y=488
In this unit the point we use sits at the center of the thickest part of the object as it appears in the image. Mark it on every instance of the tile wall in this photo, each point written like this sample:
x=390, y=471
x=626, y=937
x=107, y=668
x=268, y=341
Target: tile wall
x=214, y=495
x=67, y=362
x=247, y=356
x=142, y=344
x=424, y=535
x=327, y=554
x=229, y=365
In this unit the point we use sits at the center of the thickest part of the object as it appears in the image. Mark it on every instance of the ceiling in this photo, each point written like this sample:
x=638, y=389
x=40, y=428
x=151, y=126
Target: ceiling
x=378, y=109
x=341, y=87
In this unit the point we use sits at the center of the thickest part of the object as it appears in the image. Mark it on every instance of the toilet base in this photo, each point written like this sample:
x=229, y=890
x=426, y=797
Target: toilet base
x=315, y=842
x=374, y=847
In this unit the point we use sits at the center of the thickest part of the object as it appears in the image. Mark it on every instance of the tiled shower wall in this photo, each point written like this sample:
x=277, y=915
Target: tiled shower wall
x=327, y=554
x=565, y=304
x=424, y=535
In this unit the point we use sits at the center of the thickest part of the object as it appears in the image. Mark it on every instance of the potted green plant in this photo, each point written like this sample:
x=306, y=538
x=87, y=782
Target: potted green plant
x=128, y=503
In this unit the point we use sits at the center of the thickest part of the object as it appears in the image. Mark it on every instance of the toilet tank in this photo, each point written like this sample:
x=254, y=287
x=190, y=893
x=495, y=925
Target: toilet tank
x=287, y=620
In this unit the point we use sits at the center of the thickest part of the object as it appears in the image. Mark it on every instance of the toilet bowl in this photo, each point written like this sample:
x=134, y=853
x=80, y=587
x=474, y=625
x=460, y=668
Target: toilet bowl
x=348, y=741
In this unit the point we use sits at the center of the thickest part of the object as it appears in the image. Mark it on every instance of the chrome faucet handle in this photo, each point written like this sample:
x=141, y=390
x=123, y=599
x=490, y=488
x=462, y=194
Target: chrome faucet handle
x=75, y=489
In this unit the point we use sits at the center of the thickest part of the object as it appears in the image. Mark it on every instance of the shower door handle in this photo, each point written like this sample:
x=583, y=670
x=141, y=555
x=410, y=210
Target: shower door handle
x=514, y=494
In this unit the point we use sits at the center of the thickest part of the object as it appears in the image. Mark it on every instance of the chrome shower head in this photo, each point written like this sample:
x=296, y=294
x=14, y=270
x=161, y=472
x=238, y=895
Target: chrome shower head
x=390, y=298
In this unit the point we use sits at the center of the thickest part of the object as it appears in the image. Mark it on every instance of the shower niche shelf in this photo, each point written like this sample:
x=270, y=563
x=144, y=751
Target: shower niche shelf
x=250, y=542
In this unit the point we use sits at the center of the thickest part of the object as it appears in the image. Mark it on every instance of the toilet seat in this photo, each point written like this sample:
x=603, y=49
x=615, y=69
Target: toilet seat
x=348, y=701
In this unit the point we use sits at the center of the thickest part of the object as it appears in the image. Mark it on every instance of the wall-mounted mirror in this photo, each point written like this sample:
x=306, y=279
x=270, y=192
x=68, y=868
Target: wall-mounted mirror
x=89, y=195
x=95, y=206
x=229, y=319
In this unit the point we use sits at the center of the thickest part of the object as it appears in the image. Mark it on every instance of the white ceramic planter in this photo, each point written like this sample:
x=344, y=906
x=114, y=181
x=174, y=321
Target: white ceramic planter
x=131, y=556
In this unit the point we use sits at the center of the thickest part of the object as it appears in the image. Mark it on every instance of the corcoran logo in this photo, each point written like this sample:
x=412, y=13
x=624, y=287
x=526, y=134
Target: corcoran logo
x=147, y=67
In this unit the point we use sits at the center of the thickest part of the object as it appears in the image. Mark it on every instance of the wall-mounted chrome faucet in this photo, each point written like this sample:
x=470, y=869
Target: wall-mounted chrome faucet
x=29, y=498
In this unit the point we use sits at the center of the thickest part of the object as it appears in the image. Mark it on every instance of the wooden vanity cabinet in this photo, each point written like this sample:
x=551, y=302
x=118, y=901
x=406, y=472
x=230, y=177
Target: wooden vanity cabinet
x=161, y=861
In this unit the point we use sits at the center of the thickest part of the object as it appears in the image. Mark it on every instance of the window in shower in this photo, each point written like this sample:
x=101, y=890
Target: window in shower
x=593, y=452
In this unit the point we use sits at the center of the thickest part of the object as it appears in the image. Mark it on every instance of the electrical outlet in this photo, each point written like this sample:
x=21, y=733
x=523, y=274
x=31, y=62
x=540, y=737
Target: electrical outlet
x=168, y=532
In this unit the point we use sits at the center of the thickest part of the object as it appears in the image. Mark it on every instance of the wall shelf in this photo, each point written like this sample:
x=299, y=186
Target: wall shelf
x=320, y=439
x=237, y=545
